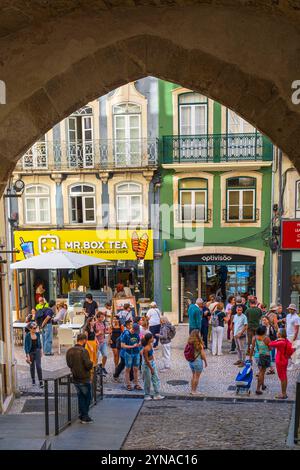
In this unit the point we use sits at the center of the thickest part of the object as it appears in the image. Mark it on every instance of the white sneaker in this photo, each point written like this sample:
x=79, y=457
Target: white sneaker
x=158, y=397
x=147, y=398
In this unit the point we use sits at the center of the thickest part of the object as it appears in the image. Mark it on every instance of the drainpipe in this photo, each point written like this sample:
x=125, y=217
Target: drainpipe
x=280, y=211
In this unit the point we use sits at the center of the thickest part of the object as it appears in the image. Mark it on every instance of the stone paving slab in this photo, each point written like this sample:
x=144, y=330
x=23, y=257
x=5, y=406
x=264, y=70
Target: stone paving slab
x=113, y=420
x=211, y=425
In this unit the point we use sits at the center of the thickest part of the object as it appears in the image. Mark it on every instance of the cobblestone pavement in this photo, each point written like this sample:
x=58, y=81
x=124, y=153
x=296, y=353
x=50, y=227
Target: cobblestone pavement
x=216, y=381
x=203, y=425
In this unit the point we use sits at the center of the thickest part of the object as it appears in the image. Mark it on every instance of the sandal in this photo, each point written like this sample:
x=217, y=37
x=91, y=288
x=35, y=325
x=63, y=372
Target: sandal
x=259, y=392
x=281, y=397
x=138, y=387
x=129, y=388
x=270, y=372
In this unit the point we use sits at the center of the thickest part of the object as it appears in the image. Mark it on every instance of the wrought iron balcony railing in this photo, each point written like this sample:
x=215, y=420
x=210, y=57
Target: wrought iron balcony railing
x=216, y=148
x=96, y=154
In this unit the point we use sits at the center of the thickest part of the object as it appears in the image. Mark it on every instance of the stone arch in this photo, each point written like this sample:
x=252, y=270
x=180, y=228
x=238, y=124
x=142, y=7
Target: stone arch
x=246, y=57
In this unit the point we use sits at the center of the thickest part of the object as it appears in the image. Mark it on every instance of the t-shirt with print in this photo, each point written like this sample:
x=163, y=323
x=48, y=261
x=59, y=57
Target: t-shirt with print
x=239, y=322
x=100, y=327
x=129, y=339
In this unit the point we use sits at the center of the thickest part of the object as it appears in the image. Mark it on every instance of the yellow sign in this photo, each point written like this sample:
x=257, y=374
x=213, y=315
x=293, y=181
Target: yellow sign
x=108, y=244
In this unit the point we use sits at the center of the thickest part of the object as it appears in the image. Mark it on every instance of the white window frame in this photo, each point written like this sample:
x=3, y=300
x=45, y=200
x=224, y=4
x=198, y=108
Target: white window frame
x=128, y=196
x=127, y=140
x=193, y=205
x=241, y=204
x=36, y=158
x=37, y=197
x=85, y=146
x=84, y=195
x=193, y=118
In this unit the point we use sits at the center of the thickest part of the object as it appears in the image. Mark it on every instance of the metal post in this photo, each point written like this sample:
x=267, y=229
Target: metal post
x=297, y=412
x=46, y=408
x=56, y=423
x=69, y=399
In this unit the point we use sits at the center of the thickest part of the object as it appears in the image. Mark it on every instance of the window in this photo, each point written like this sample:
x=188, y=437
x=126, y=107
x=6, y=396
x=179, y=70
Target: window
x=193, y=199
x=80, y=133
x=129, y=203
x=127, y=134
x=241, y=199
x=243, y=140
x=192, y=114
x=82, y=203
x=37, y=156
x=37, y=204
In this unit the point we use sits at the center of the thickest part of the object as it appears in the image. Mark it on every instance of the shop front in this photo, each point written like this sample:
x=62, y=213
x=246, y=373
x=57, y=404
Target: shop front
x=202, y=271
x=129, y=255
x=290, y=263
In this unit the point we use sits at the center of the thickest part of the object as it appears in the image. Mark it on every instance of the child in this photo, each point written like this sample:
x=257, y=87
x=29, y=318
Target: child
x=284, y=352
x=149, y=369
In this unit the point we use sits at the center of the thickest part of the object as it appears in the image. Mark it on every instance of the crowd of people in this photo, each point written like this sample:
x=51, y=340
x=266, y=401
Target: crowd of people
x=270, y=336
x=256, y=333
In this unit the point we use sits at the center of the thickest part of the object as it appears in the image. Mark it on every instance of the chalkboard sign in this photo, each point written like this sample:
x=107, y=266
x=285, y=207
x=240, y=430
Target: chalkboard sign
x=76, y=297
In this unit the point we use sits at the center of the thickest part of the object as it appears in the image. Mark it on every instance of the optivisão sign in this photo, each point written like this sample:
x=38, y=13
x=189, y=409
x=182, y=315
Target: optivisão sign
x=108, y=244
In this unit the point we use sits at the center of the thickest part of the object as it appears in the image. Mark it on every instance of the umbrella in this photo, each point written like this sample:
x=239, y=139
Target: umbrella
x=58, y=259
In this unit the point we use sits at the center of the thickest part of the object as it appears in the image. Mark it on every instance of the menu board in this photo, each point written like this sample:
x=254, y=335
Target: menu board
x=118, y=304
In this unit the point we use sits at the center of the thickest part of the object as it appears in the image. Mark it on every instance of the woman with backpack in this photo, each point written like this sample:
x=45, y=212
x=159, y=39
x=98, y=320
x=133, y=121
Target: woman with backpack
x=217, y=322
x=260, y=350
x=167, y=333
x=195, y=355
x=272, y=334
x=284, y=351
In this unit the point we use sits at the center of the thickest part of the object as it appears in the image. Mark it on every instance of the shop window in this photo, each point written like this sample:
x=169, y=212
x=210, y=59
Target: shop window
x=127, y=134
x=192, y=114
x=37, y=204
x=193, y=199
x=298, y=199
x=129, y=203
x=82, y=203
x=80, y=134
x=241, y=199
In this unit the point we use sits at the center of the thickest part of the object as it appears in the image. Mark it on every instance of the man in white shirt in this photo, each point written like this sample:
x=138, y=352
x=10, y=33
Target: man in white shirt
x=292, y=330
x=153, y=316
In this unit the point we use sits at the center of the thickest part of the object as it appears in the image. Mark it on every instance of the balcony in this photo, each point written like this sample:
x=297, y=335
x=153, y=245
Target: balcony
x=216, y=148
x=93, y=155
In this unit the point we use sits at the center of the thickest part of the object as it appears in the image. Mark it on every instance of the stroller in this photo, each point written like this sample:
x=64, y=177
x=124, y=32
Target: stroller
x=244, y=379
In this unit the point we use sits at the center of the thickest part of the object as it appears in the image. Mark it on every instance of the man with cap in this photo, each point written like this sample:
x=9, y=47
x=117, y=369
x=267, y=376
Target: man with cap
x=195, y=313
x=292, y=330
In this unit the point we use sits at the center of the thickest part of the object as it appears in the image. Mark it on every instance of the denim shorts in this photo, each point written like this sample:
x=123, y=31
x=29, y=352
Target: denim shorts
x=197, y=365
x=102, y=349
x=132, y=360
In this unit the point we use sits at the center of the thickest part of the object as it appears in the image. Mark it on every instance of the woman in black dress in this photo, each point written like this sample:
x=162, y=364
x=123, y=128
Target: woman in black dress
x=115, y=333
